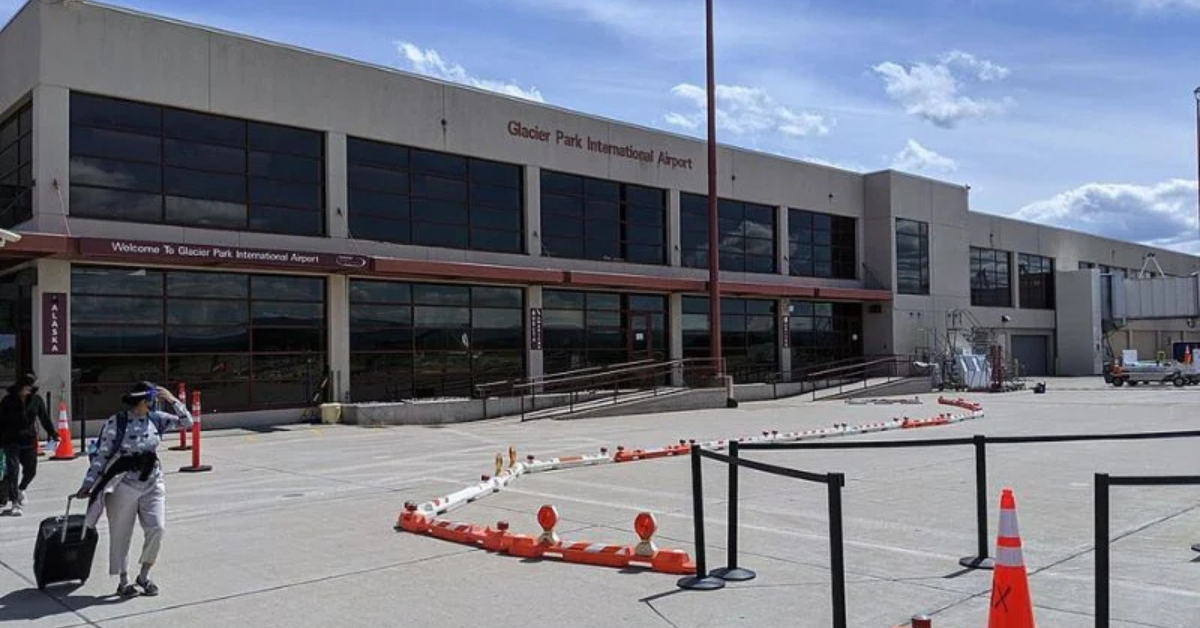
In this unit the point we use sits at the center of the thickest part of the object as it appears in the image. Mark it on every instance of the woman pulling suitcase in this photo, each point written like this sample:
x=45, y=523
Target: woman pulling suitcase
x=125, y=478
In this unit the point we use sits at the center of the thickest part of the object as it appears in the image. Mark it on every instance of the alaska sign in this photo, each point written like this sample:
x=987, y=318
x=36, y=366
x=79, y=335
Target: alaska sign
x=559, y=137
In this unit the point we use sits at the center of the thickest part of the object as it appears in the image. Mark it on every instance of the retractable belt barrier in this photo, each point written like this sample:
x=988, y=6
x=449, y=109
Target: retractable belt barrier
x=981, y=560
x=704, y=580
x=1103, y=483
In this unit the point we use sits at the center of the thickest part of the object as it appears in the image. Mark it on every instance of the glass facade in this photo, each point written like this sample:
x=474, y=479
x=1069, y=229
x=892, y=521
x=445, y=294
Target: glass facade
x=991, y=278
x=821, y=245
x=413, y=196
x=585, y=329
x=747, y=234
x=1037, y=282
x=824, y=332
x=144, y=163
x=585, y=218
x=912, y=257
x=749, y=335
x=246, y=341
x=419, y=340
x=16, y=168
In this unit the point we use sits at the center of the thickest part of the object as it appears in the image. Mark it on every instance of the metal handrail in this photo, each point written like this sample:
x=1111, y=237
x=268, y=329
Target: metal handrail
x=481, y=390
x=646, y=376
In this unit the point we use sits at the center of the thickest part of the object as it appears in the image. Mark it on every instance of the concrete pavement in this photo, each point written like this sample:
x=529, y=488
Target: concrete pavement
x=294, y=526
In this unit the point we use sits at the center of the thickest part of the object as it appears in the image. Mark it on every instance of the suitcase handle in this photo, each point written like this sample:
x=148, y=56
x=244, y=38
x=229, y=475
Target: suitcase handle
x=66, y=517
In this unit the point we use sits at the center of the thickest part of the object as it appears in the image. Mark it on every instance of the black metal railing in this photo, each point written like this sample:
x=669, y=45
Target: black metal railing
x=1103, y=483
x=981, y=560
x=706, y=580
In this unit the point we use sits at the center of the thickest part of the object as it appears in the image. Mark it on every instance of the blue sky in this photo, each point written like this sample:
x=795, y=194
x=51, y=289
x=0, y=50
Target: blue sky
x=1077, y=113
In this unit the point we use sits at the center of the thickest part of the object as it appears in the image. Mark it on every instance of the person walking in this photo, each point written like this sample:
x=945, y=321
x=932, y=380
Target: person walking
x=125, y=479
x=20, y=412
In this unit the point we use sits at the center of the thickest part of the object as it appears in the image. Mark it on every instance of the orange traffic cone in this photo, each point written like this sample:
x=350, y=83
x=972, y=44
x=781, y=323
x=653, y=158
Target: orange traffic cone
x=1011, y=606
x=65, y=451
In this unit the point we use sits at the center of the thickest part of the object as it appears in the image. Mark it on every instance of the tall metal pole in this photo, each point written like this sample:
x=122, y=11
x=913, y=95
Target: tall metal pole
x=1197, y=95
x=714, y=250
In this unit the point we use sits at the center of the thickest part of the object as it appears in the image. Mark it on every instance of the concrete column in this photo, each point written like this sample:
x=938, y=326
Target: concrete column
x=51, y=155
x=675, y=334
x=53, y=371
x=674, y=246
x=782, y=250
x=338, y=323
x=535, y=365
x=783, y=313
x=533, y=214
x=337, y=193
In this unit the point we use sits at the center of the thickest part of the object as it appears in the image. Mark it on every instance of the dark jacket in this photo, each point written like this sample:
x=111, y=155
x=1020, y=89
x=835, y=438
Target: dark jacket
x=19, y=418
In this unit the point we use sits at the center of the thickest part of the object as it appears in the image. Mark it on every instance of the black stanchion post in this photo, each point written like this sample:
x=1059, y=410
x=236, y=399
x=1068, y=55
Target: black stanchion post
x=701, y=581
x=1102, y=550
x=981, y=559
x=836, y=551
x=732, y=572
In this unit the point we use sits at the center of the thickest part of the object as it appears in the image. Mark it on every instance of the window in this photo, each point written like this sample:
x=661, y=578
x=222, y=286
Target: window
x=747, y=234
x=413, y=196
x=824, y=332
x=821, y=245
x=585, y=329
x=1037, y=282
x=991, y=278
x=16, y=168
x=585, y=218
x=144, y=163
x=912, y=256
x=418, y=340
x=247, y=342
x=749, y=335
x=1086, y=265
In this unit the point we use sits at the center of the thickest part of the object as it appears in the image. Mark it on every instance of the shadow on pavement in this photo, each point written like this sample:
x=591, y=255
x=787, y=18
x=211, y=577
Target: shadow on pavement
x=31, y=604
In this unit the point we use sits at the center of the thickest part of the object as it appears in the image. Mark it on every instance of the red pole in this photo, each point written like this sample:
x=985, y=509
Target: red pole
x=1197, y=95
x=183, y=441
x=714, y=249
x=196, y=466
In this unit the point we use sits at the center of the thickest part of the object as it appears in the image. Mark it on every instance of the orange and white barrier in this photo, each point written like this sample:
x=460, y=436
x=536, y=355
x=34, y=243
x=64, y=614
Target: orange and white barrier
x=965, y=404
x=504, y=477
x=534, y=465
x=645, y=554
x=486, y=486
x=631, y=455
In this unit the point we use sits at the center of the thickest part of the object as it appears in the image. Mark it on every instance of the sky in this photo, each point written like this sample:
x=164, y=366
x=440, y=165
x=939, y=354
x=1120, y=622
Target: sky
x=1074, y=113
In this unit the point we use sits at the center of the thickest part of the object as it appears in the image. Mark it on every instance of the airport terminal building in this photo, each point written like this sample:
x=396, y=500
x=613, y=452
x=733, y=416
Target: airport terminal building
x=249, y=217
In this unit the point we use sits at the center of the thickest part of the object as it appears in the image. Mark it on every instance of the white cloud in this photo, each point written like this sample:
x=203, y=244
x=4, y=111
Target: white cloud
x=1162, y=214
x=430, y=63
x=745, y=111
x=933, y=91
x=985, y=70
x=917, y=158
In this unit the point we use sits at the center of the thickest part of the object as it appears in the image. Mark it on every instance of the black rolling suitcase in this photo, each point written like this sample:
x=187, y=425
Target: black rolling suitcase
x=65, y=548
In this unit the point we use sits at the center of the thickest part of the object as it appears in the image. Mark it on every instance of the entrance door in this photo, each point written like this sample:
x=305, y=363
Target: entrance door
x=640, y=342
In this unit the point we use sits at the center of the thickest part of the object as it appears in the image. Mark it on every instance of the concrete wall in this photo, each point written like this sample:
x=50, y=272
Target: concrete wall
x=20, y=53
x=920, y=319
x=1079, y=335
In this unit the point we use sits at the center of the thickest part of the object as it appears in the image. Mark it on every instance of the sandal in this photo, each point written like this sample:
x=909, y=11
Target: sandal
x=148, y=587
x=127, y=590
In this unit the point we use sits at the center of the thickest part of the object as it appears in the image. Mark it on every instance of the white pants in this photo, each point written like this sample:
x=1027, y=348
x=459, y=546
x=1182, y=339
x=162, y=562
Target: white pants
x=123, y=505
